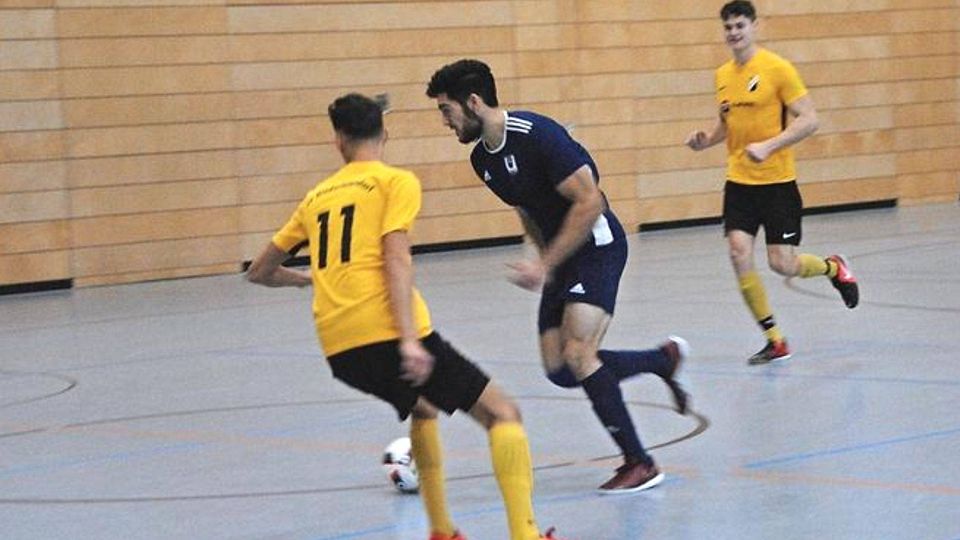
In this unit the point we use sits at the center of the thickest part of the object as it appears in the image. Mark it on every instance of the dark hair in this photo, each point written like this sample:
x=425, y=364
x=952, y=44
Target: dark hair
x=356, y=116
x=738, y=8
x=462, y=78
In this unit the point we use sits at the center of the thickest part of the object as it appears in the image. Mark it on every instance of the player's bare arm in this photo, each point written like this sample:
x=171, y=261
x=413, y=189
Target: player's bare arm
x=531, y=230
x=268, y=270
x=701, y=140
x=587, y=205
x=580, y=188
x=417, y=363
x=803, y=124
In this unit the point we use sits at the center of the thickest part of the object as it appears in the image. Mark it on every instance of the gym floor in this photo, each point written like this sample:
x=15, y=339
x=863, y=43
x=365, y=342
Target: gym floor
x=202, y=408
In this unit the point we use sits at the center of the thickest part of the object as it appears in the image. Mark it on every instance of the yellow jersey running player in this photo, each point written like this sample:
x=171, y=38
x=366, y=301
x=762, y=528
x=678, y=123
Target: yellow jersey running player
x=756, y=90
x=374, y=326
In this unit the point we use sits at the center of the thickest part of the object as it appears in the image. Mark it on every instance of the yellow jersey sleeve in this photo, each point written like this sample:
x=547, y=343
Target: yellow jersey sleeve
x=791, y=87
x=403, y=203
x=293, y=233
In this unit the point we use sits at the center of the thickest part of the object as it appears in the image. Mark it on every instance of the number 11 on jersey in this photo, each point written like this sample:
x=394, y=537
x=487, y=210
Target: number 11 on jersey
x=323, y=220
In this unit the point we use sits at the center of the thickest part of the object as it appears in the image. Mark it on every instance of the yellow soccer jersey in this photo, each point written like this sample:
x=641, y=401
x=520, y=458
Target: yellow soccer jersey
x=344, y=219
x=753, y=101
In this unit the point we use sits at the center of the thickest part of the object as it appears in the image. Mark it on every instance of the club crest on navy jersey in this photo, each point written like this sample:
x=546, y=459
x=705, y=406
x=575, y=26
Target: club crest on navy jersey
x=510, y=162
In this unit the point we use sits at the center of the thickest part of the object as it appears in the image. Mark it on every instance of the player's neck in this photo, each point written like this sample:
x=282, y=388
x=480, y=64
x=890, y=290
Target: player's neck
x=363, y=152
x=494, y=127
x=743, y=56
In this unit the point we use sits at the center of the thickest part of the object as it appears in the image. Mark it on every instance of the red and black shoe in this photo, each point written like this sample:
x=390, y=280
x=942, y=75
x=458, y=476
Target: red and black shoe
x=844, y=281
x=775, y=350
x=631, y=477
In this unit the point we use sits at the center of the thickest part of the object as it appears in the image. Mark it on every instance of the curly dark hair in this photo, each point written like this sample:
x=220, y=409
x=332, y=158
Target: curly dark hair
x=462, y=78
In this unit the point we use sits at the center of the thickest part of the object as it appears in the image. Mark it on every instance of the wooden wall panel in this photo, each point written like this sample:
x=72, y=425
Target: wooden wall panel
x=149, y=169
x=32, y=176
x=141, y=227
x=152, y=139
x=32, y=237
x=145, y=21
x=27, y=24
x=49, y=265
x=34, y=201
x=32, y=54
x=28, y=85
x=340, y=17
x=144, y=110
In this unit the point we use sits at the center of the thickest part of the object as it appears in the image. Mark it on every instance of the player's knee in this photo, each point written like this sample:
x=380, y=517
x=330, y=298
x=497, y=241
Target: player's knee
x=785, y=266
x=739, y=256
x=579, y=357
x=563, y=378
x=573, y=352
x=504, y=410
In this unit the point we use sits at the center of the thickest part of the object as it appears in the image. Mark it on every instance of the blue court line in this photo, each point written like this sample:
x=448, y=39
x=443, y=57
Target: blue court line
x=119, y=456
x=155, y=451
x=849, y=449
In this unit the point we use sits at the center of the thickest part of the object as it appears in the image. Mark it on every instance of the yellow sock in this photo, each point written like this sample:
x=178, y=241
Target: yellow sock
x=514, y=471
x=754, y=294
x=811, y=265
x=428, y=456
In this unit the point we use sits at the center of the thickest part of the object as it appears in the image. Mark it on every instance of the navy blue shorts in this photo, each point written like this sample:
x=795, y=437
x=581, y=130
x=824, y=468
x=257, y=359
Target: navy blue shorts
x=591, y=276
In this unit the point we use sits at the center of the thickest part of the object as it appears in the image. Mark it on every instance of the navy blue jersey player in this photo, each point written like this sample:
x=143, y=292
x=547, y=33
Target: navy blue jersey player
x=533, y=164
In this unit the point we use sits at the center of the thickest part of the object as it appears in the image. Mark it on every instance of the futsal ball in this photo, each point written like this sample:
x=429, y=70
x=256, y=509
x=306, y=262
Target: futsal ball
x=399, y=465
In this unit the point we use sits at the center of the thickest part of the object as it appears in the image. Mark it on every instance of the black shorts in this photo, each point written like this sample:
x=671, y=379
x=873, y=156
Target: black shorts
x=778, y=207
x=455, y=383
x=591, y=276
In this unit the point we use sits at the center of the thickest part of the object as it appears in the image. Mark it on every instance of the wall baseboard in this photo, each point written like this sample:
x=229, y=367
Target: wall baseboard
x=36, y=286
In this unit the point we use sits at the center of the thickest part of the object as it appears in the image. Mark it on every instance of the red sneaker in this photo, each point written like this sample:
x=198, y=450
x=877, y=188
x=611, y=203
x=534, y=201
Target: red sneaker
x=844, y=281
x=677, y=349
x=441, y=536
x=549, y=534
x=775, y=350
x=632, y=477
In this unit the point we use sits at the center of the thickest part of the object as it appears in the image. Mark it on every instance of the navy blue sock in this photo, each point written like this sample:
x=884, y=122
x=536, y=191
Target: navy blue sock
x=564, y=378
x=626, y=364
x=603, y=389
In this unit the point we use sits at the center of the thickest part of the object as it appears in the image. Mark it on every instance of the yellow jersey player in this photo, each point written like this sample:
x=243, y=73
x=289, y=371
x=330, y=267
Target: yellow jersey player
x=756, y=91
x=374, y=326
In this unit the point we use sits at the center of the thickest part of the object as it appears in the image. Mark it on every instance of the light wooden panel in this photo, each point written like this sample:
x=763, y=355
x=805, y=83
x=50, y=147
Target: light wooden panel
x=34, y=202
x=153, y=139
x=32, y=237
x=49, y=265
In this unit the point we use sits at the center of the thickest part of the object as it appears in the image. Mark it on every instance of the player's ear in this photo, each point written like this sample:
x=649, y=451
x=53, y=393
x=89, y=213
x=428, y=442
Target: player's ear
x=384, y=136
x=474, y=102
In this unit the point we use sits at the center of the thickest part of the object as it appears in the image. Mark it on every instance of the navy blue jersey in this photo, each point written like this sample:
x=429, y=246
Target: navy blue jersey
x=536, y=154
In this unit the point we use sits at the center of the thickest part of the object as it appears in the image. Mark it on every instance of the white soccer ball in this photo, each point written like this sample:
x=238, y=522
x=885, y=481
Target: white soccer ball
x=399, y=465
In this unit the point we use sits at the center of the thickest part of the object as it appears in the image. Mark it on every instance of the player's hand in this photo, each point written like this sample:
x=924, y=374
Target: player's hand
x=528, y=274
x=305, y=279
x=696, y=140
x=416, y=362
x=757, y=152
